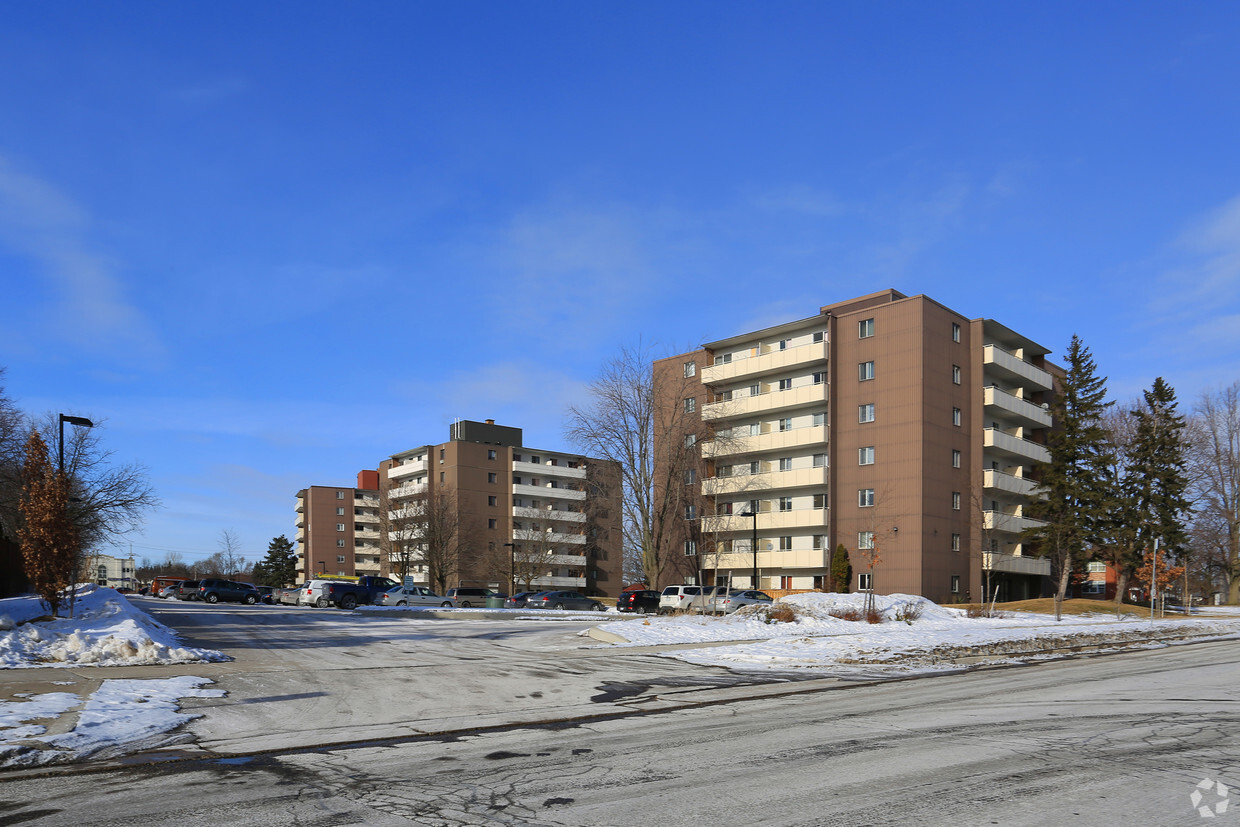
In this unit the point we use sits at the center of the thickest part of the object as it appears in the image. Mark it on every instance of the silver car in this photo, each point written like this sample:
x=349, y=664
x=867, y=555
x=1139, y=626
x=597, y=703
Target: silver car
x=411, y=596
x=733, y=600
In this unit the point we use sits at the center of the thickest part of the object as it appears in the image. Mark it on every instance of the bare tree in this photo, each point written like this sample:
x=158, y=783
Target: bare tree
x=1214, y=469
x=442, y=540
x=400, y=533
x=230, y=559
x=654, y=444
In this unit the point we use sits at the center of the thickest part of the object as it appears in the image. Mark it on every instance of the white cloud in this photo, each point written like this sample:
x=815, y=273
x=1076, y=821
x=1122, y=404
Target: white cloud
x=90, y=306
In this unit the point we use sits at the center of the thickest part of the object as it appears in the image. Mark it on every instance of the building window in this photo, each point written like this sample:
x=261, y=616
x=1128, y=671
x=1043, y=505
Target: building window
x=865, y=497
x=820, y=377
x=755, y=429
x=690, y=476
x=492, y=500
x=690, y=512
x=785, y=384
x=820, y=542
x=1097, y=567
x=820, y=501
x=340, y=526
x=340, y=544
x=955, y=501
x=690, y=369
x=492, y=477
x=956, y=417
x=865, y=370
x=690, y=440
x=819, y=337
x=339, y=558
x=441, y=476
x=785, y=542
x=340, y=495
x=865, y=539
x=785, y=503
x=755, y=467
x=865, y=328
x=723, y=359
x=783, y=344
x=755, y=390
x=492, y=523
x=490, y=454
x=785, y=463
x=1094, y=587
x=865, y=456
x=690, y=548
x=690, y=404
x=865, y=582
x=340, y=511
x=820, y=460
x=865, y=413
x=955, y=374
x=955, y=542
x=785, y=424
x=955, y=584
x=955, y=458
x=441, y=455
x=955, y=332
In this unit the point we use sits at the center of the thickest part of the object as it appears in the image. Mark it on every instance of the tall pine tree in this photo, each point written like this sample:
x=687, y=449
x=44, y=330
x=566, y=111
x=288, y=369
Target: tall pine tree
x=1156, y=480
x=279, y=567
x=1074, y=482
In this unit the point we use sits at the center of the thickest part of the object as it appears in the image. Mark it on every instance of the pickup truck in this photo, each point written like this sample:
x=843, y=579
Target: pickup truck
x=347, y=594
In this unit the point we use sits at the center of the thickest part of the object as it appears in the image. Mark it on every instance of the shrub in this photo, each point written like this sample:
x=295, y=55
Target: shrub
x=873, y=615
x=846, y=614
x=982, y=611
x=909, y=612
x=780, y=613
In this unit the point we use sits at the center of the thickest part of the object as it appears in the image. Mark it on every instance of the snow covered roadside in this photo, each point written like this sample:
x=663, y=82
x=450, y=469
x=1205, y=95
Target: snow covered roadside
x=120, y=716
x=935, y=641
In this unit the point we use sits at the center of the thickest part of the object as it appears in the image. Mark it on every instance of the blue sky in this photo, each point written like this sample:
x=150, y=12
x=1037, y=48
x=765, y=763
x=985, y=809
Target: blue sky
x=269, y=244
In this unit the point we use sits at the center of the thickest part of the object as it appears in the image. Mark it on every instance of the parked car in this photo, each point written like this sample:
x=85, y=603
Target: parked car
x=518, y=600
x=170, y=591
x=411, y=596
x=639, y=601
x=288, y=595
x=187, y=590
x=466, y=598
x=267, y=594
x=563, y=600
x=685, y=598
x=728, y=602
x=214, y=590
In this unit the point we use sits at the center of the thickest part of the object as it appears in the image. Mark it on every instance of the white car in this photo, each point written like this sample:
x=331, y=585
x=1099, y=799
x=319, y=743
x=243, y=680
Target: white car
x=411, y=596
x=686, y=598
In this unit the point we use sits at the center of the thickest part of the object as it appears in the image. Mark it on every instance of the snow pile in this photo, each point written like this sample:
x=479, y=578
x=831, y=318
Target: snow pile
x=106, y=630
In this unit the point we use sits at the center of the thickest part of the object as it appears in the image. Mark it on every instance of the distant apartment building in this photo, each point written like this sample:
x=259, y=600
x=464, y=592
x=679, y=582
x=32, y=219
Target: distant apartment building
x=884, y=423
x=550, y=518
x=338, y=529
x=107, y=570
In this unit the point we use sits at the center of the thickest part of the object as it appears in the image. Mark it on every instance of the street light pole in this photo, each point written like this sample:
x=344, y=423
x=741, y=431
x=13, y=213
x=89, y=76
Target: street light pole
x=753, y=546
x=512, y=569
x=72, y=420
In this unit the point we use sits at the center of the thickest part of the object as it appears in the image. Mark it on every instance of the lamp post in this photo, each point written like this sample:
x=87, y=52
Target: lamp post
x=753, y=546
x=512, y=568
x=72, y=420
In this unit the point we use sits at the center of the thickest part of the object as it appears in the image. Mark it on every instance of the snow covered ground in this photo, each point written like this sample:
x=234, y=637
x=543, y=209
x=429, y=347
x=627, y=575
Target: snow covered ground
x=914, y=637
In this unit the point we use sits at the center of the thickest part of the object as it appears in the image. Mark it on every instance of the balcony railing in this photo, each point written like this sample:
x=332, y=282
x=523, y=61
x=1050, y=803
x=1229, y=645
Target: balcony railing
x=408, y=469
x=543, y=470
x=773, y=441
x=1016, y=564
x=767, y=521
x=401, y=492
x=528, y=535
x=775, y=361
x=1009, y=523
x=1006, y=443
x=548, y=514
x=772, y=480
x=1015, y=369
x=1009, y=483
x=1014, y=406
x=522, y=490
x=749, y=406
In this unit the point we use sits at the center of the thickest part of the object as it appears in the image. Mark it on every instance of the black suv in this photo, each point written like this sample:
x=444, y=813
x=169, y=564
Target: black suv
x=213, y=590
x=639, y=601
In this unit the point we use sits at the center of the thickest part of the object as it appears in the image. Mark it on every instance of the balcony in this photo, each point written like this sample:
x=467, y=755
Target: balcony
x=521, y=490
x=768, y=521
x=776, y=400
x=1009, y=484
x=527, y=535
x=408, y=469
x=1008, y=523
x=1016, y=564
x=575, y=560
x=548, y=514
x=1015, y=407
x=543, y=470
x=746, y=483
x=1005, y=443
x=575, y=583
x=401, y=492
x=1014, y=369
x=741, y=562
x=774, y=441
x=776, y=361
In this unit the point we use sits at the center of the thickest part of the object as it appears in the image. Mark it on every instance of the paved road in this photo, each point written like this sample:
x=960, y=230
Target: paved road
x=1094, y=741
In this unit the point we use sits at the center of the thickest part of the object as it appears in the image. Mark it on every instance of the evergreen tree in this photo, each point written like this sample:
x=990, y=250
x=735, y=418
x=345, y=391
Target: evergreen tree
x=279, y=567
x=1074, y=481
x=1156, y=480
x=841, y=570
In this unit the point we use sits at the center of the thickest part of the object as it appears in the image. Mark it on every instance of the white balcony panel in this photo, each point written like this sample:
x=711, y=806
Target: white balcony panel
x=546, y=491
x=1006, y=443
x=776, y=361
x=1016, y=564
x=407, y=490
x=1009, y=523
x=761, y=483
x=750, y=406
x=545, y=514
x=526, y=535
x=301, y=505
x=407, y=470
x=1014, y=406
x=741, y=562
x=564, y=583
x=1015, y=369
x=540, y=469
x=1009, y=484
x=774, y=441
x=768, y=521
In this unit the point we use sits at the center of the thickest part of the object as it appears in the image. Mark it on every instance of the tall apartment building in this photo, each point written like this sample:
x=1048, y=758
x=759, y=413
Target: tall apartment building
x=550, y=517
x=338, y=529
x=884, y=422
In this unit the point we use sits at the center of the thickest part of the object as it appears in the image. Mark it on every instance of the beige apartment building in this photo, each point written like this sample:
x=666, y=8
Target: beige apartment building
x=888, y=424
x=549, y=518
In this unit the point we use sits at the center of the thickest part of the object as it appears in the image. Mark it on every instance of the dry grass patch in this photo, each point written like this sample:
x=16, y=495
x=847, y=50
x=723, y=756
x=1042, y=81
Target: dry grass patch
x=1046, y=605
